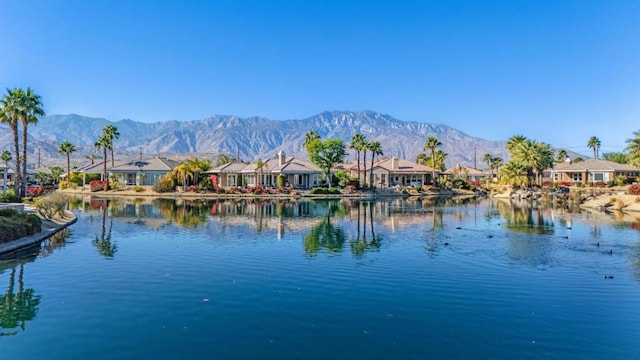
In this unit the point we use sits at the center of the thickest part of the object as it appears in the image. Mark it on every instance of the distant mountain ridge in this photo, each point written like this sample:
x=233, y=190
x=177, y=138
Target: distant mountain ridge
x=252, y=137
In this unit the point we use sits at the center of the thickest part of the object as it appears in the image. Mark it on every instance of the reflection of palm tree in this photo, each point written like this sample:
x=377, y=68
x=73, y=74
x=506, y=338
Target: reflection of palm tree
x=103, y=243
x=16, y=309
x=360, y=246
x=325, y=235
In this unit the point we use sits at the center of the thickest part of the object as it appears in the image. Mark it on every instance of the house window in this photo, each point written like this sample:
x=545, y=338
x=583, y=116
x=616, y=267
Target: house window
x=598, y=177
x=383, y=178
x=577, y=177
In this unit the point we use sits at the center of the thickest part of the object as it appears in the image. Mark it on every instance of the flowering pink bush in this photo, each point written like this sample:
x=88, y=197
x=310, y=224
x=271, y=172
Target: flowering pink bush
x=97, y=185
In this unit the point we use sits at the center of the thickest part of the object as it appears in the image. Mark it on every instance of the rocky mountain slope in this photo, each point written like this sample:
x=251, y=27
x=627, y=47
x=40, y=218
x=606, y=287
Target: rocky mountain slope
x=252, y=137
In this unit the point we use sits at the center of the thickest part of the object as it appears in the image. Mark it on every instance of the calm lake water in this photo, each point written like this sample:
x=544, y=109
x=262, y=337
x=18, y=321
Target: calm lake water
x=393, y=279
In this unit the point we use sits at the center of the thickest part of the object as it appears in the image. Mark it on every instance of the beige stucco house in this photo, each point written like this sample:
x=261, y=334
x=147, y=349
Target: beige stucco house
x=590, y=171
x=394, y=171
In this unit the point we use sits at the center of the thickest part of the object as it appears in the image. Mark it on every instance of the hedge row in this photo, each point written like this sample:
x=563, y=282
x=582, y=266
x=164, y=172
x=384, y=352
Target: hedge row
x=14, y=225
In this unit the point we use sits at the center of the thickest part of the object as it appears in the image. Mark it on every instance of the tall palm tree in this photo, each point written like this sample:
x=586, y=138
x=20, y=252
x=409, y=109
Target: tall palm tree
x=633, y=148
x=496, y=163
x=67, y=148
x=11, y=113
x=103, y=144
x=111, y=133
x=5, y=157
x=32, y=105
x=432, y=144
x=594, y=143
x=364, y=147
x=488, y=158
x=309, y=137
x=356, y=144
x=376, y=149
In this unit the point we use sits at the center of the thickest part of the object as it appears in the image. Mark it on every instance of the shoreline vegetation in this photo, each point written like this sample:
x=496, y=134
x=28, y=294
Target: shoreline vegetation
x=48, y=228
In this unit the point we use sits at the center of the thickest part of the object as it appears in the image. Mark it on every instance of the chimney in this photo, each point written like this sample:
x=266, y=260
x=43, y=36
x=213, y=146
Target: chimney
x=394, y=163
x=281, y=157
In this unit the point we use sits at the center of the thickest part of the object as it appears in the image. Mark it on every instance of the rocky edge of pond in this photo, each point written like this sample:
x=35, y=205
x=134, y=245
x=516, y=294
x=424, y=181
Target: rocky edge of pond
x=49, y=228
x=589, y=198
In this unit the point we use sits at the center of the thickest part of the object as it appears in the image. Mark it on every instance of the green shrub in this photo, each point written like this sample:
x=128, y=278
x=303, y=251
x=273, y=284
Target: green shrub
x=281, y=180
x=9, y=212
x=18, y=225
x=620, y=180
x=9, y=197
x=325, y=191
x=138, y=188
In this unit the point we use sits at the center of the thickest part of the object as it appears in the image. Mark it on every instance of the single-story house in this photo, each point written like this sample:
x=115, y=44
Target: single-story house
x=394, y=171
x=593, y=170
x=298, y=173
x=466, y=173
x=142, y=171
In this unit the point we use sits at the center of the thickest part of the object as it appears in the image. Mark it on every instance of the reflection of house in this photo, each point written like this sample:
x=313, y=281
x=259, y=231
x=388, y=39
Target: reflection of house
x=394, y=171
x=297, y=173
x=142, y=171
x=465, y=173
x=592, y=171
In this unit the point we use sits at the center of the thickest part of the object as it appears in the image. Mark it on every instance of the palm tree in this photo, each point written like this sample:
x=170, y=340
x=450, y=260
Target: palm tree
x=309, y=137
x=562, y=156
x=67, y=148
x=196, y=166
x=356, y=144
x=111, y=133
x=514, y=173
x=222, y=159
x=633, y=148
x=92, y=157
x=496, y=163
x=488, y=158
x=32, y=107
x=376, y=149
x=515, y=141
x=5, y=157
x=103, y=143
x=440, y=159
x=11, y=113
x=432, y=144
x=364, y=147
x=594, y=143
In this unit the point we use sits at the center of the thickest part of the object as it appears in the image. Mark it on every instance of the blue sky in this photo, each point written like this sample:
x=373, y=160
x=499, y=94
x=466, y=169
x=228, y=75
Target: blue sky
x=554, y=71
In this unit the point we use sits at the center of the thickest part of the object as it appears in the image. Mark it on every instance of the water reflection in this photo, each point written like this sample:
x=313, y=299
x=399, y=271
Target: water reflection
x=17, y=305
x=524, y=218
x=55, y=242
x=103, y=243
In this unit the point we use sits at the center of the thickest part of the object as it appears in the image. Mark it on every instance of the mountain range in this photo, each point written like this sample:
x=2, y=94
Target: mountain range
x=250, y=138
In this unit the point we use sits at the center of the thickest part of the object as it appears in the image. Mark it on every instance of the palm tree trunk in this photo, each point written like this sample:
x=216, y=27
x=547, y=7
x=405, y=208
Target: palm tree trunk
x=112, y=159
x=358, y=152
x=433, y=169
x=68, y=166
x=364, y=160
x=23, y=189
x=16, y=150
x=106, y=178
x=373, y=156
